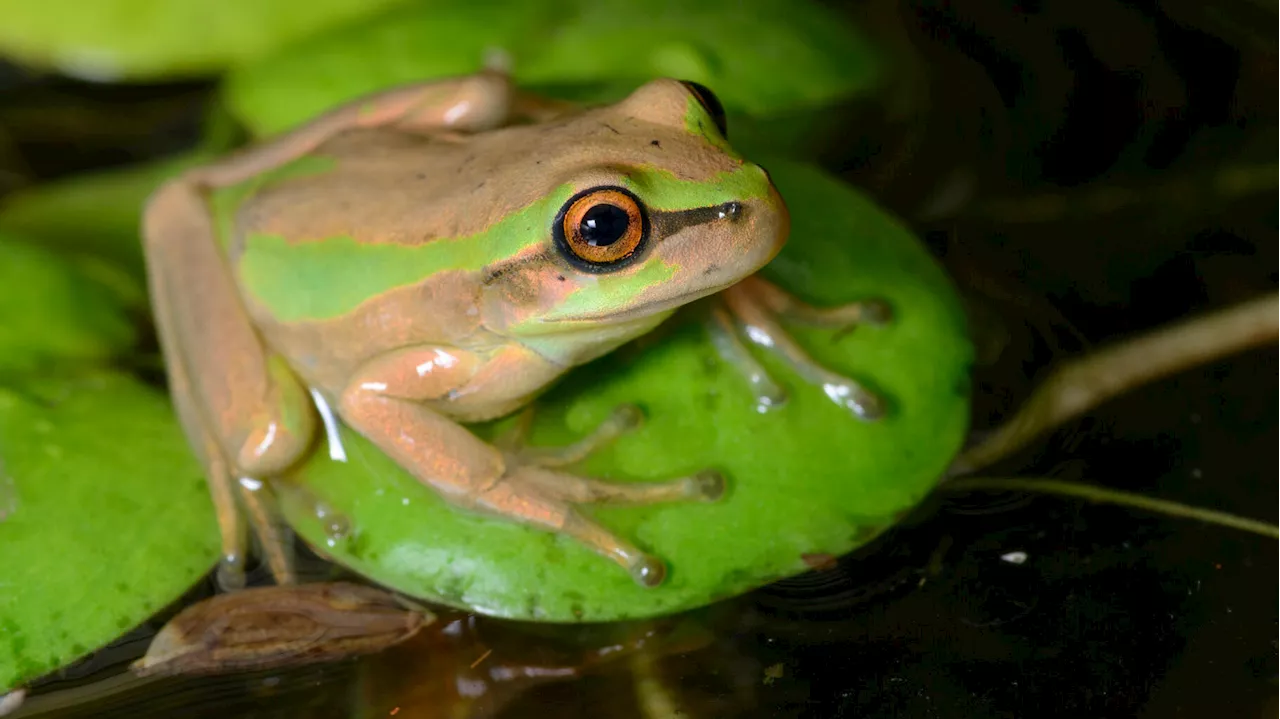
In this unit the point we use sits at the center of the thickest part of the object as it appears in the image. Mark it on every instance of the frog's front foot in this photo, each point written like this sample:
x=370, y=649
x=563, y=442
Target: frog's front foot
x=533, y=492
x=755, y=307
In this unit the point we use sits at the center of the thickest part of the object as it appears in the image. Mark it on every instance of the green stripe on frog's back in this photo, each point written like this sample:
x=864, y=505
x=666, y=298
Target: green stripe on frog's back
x=325, y=278
x=225, y=202
x=321, y=279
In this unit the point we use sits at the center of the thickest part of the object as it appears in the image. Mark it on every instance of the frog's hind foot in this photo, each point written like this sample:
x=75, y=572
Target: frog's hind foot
x=534, y=491
x=623, y=419
x=756, y=306
x=546, y=498
x=274, y=538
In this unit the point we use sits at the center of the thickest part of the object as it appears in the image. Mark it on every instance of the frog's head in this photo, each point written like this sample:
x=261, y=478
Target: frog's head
x=651, y=210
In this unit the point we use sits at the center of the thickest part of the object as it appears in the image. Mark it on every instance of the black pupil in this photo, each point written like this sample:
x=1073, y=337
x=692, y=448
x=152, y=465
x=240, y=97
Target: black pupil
x=603, y=225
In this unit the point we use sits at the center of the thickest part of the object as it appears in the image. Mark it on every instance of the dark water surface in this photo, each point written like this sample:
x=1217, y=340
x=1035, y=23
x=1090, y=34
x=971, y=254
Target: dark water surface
x=1060, y=158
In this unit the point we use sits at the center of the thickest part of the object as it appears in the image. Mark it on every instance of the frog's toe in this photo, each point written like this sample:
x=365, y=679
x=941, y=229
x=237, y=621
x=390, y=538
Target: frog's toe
x=627, y=417
x=877, y=312
x=648, y=571
x=864, y=404
x=708, y=485
x=230, y=573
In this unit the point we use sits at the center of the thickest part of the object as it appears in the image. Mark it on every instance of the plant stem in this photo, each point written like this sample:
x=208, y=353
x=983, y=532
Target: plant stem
x=1078, y=386
x=1111, y=496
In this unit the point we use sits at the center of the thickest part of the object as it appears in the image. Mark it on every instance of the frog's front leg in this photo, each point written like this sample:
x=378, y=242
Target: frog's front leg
x=756, y=306
x=390, y=401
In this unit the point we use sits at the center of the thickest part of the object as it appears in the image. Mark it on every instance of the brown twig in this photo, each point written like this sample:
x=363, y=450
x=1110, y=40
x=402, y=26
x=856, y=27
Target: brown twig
x=1079, y=386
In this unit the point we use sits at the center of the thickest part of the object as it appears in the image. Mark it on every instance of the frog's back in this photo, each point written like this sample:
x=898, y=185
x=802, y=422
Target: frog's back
x=381, y=239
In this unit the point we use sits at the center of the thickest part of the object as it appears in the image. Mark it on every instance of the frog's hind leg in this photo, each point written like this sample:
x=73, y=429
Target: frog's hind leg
x=386, y=401
x=537, y=463
x=546, y=498
x=245, y=414
x=560, y=490
x=623, y=419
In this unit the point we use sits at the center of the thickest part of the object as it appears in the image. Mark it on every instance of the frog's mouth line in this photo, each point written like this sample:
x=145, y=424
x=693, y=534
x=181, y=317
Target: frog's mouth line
x=642, y=311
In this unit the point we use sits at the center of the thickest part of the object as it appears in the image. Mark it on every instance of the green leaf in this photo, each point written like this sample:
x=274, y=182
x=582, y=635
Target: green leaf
x=806, y=478
x=104, y=517
x=158, y=39
x=759, y=56
x=96, y=214
x=54, y=311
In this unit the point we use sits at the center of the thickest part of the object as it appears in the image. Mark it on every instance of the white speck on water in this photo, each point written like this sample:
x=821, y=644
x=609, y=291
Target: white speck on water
x=472, y=687
x=1014, y=557
x=270, y=681
x=1196, y=473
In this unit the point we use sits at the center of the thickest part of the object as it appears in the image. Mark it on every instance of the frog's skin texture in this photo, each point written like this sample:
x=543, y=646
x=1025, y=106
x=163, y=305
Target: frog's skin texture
x=424, y=257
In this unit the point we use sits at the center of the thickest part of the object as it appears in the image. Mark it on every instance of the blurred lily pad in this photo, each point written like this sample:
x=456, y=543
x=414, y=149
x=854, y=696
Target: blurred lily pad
x=760, y=56
x=96, y=214
x=104, y=517
x=805, y=479
x=152, y=39
x=53, y=311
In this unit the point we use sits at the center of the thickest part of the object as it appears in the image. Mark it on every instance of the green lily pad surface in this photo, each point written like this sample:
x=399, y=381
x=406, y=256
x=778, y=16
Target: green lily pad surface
x=51, y=311
x=146, y=39
x=104, y=513
x=807, y=478
x=760, y=56
x=104, y=517
x=94, y=214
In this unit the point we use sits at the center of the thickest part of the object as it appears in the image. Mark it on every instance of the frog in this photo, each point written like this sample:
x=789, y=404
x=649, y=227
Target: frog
x=438, y=254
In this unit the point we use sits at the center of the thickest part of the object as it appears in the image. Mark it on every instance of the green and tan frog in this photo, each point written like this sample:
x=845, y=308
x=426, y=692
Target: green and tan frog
x=441, y=253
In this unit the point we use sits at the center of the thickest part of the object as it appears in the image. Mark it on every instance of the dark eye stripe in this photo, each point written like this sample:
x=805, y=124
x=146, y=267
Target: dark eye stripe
x=668, y=223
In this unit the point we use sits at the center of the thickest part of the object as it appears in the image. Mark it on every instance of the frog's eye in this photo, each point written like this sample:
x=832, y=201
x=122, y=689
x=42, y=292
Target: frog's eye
x=710, y=103
x=599, y=229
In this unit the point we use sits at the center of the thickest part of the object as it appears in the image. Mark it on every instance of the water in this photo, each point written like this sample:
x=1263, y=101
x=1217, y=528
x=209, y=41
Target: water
x=1085, y=171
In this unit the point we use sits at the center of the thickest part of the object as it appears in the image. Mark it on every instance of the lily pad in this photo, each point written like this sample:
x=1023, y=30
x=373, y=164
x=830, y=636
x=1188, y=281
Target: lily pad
x=152, y=39
x=808, y=478
x=95, y=214
x=760, y=56
x=104, y=517
x=52, y=311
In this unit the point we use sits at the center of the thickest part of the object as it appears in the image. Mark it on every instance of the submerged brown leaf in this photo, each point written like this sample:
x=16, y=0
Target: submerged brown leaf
x=270, y=627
